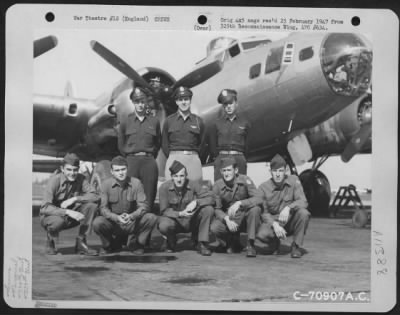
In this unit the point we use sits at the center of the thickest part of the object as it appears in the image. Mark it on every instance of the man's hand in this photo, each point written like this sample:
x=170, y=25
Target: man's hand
x=232, y=209
x=185, y=213
x=191, y=206
x=232, y=226
x=123, y=218
x=74, y=215
x=279, y=231
x=284, y=215
x=69, y=202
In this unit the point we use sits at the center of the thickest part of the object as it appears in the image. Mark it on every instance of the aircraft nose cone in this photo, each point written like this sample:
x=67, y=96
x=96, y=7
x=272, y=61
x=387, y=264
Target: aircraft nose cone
x=347, y=63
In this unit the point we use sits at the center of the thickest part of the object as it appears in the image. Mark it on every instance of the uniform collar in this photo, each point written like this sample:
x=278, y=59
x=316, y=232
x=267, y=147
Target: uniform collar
x=183, y=117
x=116, y=183
x=285, y=182
x=64, y=180
x=235, y=117
x=239, y=180
x=136, y=117
x=187, y=185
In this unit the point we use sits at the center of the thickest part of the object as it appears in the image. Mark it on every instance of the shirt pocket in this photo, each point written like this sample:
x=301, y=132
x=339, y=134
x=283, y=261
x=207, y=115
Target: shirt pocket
x=151, y=131
x=131, y=134
x=113, y=198
x=194, y=129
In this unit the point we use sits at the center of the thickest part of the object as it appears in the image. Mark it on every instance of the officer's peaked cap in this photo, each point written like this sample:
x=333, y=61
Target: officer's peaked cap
x=138, y=94
x=227, y=96
x=182, y=92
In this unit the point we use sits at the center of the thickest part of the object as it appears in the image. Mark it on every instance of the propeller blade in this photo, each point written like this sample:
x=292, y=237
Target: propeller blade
x=199, y=75
x=119, y=64
x=42, y=45
x=356, y=142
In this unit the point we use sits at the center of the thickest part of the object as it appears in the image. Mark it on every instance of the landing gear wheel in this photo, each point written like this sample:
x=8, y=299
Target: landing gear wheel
x=101, y=172
x=317, y=190
x=360, y=218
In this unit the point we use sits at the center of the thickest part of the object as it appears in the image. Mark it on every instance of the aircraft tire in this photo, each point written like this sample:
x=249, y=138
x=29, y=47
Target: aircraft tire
x=318, y=192
x=101, y=171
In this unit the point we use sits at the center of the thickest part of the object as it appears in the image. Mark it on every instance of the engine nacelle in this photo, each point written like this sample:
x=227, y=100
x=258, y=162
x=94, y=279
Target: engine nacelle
x=332, y=136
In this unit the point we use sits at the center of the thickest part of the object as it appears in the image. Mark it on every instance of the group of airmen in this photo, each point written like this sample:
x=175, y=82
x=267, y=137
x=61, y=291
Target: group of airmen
x=123, y=214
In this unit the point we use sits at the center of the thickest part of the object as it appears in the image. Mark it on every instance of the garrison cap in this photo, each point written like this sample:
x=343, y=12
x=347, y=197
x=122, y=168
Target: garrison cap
x=176, y=167
x=71, y=159
x=119, y=160
x=228, y=161
x=182, y=92
x=138, y=94
x=277, y=162
x=227, y=96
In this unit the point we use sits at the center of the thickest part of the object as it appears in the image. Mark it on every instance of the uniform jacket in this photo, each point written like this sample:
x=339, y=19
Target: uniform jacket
x=274, y=200
x=172, y=201
x=243, y=190
x=180, y=134
x=135, y=136
x=228, y=135
x=59, y=189
x=117, y=199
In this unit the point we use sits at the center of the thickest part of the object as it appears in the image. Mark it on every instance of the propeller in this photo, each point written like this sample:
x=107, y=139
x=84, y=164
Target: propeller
x=356, y=142
x=119, y=64
x=42, y=45
x=360, y=138
x=190, y=80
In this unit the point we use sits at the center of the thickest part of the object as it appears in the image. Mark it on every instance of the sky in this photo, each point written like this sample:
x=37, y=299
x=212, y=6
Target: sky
x=176, y=52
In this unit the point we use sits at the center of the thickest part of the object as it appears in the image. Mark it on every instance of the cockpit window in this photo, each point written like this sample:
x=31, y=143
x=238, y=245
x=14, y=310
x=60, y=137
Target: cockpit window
x=274, y=60
x=255, y=43
x=234, y=50
x=306, y=53
x=347, y=63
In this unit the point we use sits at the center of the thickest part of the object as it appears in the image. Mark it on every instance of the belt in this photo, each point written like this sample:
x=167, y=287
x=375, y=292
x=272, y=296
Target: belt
x=230, y=152
x=141, y=154
x=188, y=152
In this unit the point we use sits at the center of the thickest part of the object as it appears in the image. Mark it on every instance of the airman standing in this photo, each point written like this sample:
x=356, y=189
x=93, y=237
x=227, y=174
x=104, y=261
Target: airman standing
x=139, y=139
x=183, y=136
x=228, y=135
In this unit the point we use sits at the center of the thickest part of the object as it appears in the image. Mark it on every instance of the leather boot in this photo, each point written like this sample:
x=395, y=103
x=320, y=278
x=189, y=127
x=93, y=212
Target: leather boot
x=203, y=249
x=50, y=246
x=82, y=248
x=296, y=252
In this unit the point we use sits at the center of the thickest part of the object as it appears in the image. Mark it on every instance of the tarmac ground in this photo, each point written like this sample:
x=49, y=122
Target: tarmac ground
x=336, y=259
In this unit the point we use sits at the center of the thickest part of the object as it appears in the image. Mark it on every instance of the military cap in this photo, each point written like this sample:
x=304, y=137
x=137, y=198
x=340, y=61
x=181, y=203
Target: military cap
x=228, y=161
x=182, y=92
x=138, y=94
x=277, y=162
x=176, y=167
x=119, y=160
x=227, y=96
x=71, y=159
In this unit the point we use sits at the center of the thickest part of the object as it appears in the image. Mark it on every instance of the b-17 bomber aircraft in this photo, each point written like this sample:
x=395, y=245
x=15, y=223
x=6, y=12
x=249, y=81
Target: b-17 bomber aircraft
x=307, y=96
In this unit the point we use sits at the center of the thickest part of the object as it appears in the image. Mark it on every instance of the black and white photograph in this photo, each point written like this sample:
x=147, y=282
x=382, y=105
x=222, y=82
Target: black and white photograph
x=229, y=162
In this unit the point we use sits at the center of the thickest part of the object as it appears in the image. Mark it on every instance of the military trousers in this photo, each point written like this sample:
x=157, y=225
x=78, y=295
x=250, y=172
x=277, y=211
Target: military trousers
x=296, y=226
x=191, y=161
x=240, y=162
x=146, y=170
x=53, y=224
x=247, y=221
x=198, y=224
x=139, y=228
